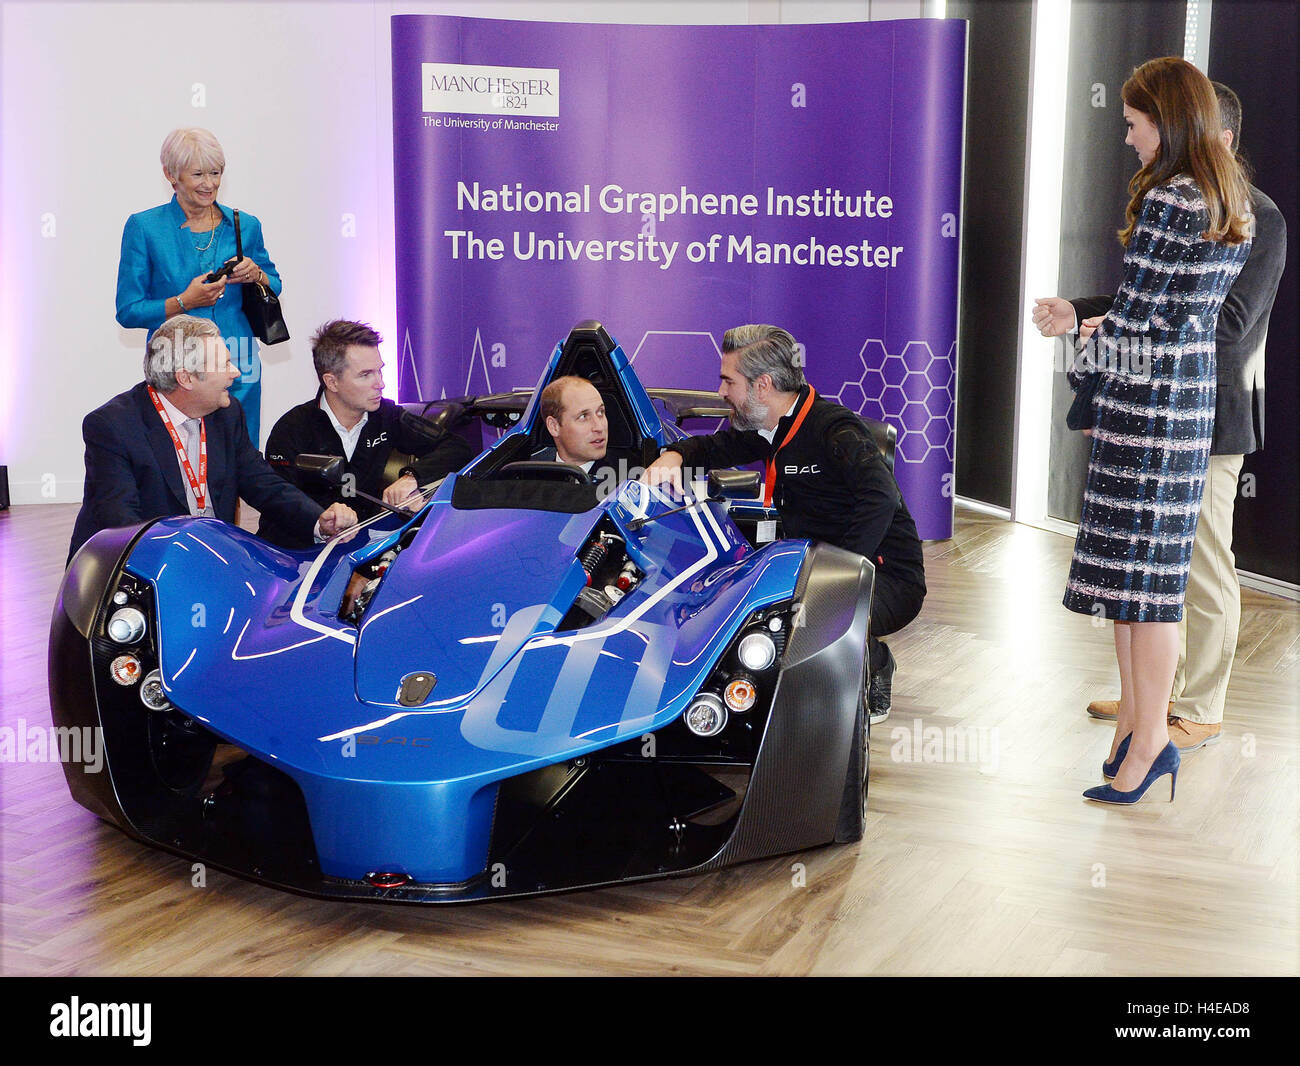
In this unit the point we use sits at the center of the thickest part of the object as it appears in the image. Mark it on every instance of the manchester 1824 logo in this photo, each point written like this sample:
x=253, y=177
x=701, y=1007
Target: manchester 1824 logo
x=467, y=89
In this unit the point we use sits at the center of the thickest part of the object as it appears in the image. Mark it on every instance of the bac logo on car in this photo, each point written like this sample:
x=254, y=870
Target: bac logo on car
x=373, y=740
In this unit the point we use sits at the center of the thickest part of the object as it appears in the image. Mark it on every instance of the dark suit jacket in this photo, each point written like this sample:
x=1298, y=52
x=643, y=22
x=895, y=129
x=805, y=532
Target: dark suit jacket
x=1240, y=335
x=132, y=474
x=605, y=471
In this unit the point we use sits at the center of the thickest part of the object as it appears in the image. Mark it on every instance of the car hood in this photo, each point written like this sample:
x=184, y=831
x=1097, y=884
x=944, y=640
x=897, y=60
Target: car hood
x=250, y=642
x=465, y=597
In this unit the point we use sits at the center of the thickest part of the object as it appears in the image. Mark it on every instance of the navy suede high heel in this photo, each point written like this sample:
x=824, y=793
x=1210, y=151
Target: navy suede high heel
x=1166, y=762
x=1110, y=769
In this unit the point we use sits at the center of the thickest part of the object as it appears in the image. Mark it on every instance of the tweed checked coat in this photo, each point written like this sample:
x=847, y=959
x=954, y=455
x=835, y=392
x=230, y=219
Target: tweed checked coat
x=1153, y=413
x=1242, y=332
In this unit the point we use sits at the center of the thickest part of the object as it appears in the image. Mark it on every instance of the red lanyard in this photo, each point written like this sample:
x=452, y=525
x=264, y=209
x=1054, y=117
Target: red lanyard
x=770, y=482
x=199, y=484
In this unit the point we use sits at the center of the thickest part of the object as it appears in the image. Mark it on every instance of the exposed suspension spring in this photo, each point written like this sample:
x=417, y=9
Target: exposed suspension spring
x=593, y=555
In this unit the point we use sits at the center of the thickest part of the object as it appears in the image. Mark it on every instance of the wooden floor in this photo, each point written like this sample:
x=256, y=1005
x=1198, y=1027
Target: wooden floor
x=980, y=856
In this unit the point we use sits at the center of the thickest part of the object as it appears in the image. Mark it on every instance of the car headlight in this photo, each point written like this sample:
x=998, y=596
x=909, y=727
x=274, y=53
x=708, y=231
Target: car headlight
x=127, y=625
x=152, y=694
x=756, y=651
x=706, y=716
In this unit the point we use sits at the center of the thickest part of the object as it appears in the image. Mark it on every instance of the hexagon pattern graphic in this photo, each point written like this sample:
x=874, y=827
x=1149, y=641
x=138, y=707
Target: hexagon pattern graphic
x=912, y=390
x=677, y=358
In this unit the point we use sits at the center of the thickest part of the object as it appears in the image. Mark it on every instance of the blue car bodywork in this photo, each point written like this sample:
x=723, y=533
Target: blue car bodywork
x=445, y=706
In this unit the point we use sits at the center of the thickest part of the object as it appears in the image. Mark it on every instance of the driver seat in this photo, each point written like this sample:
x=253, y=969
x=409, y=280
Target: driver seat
x=586, y=354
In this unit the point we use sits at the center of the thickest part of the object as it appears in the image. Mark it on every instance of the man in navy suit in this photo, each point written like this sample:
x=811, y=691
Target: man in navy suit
x=176, y=444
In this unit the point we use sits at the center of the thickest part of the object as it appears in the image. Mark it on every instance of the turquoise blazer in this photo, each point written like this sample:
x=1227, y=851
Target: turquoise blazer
x=159, y=259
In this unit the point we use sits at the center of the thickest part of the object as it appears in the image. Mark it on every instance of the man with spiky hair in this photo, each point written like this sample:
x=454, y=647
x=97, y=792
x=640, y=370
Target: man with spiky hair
x=349, y=417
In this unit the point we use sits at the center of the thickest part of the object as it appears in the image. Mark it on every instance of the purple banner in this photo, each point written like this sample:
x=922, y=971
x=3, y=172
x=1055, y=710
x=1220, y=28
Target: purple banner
x=672, y=182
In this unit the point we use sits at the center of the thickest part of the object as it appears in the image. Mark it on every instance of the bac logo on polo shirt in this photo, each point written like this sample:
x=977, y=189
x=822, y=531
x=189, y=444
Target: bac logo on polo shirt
x=469, y=89
x=812, y=468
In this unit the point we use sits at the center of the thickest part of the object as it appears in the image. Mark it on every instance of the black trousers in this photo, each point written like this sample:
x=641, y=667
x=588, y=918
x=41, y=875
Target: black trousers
x=894, y=603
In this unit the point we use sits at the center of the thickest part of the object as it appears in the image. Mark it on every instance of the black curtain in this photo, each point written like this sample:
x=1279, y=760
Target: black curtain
x=997, y=102
x=1253, y=50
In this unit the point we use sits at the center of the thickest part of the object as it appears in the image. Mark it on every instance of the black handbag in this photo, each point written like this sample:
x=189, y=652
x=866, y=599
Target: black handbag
x=1085, y=379
x=1081, y=414
x=261, y=306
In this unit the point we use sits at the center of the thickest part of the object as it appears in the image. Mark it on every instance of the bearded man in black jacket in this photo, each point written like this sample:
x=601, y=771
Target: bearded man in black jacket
x=351, y=418
x=823, y=473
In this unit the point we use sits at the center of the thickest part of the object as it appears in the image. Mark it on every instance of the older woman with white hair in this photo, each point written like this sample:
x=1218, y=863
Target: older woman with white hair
x=168, y=251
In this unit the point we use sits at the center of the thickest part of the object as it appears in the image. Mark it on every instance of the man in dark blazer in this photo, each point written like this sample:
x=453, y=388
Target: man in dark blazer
x=1212, y=609
x=176, y=444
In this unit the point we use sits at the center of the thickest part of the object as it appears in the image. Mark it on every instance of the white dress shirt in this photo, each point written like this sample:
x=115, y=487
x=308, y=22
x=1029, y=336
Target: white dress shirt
x=349, y=437
x=178, y=418
x=768, y=434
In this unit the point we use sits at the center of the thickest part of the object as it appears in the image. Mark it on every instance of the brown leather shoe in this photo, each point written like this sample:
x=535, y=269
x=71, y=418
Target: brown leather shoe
x=1108, y=710
x=1188, y=735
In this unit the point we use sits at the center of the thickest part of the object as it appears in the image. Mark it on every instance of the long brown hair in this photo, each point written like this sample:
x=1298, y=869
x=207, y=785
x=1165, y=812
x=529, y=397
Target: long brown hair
x=1180, y=100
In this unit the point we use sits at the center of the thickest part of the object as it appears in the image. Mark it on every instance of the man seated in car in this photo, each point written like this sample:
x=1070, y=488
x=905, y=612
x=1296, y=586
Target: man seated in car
x=574, y=415
x=350, y=417
x=177, y=444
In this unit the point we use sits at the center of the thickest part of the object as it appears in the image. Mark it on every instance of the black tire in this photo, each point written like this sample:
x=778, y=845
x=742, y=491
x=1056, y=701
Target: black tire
x=853, y=807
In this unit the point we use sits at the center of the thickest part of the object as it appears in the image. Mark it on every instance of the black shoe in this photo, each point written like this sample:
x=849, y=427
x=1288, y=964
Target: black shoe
x=879, y=689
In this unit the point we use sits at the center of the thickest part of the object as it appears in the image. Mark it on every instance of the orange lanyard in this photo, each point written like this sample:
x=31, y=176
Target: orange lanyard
x=770, y=482
x=199, y=484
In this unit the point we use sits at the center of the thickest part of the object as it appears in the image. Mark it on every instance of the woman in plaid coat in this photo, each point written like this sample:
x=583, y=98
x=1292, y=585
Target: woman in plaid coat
x=1186, y=239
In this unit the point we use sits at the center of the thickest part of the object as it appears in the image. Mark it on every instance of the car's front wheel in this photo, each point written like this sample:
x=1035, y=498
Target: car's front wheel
x=853, y=806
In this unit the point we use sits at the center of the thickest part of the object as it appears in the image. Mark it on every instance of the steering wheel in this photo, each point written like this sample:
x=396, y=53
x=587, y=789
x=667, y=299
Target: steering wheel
x=542, y=470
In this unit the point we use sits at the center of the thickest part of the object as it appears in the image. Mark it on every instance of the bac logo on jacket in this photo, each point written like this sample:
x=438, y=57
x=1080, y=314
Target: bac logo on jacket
x=378, y=440
x=811, y=469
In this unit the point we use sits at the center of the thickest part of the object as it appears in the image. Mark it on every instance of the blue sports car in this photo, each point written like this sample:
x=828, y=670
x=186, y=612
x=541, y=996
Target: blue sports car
x=534, y=683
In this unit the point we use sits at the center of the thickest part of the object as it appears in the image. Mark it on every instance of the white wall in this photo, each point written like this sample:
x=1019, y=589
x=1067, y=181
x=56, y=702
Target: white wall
x=299, y=95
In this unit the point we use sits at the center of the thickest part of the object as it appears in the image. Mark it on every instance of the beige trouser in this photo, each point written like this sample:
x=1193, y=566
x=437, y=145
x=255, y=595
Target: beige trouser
x=1212, y=610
